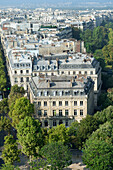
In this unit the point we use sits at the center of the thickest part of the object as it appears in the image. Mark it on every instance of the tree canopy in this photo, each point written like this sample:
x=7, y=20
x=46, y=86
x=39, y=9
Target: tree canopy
x=58, y=133
x=21, y=109
x=99, y=148
x=10, y=153
x=29, y=135
x=57, y=155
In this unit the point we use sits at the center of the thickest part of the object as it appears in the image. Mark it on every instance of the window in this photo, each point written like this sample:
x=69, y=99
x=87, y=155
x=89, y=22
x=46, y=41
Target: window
x=45, y=103
x=60, y=103
x=15, y=72
x=66, y=124
x=91, y=72
x=81, y=112
x=66, y=103
x=45, y=112
x=21, y=71
x=75, y=112
x=54, y=122
x=39, y=113
x=60, y=112
x=75, y=103
x=39, y=103
x=46, y=123
x=60, y=122
x=27, y=79
x=27, y=71
x=54, y=112
x=81, y=103
x=21, y=79
x=66, y=112
x=16, y=80
x=54, y=103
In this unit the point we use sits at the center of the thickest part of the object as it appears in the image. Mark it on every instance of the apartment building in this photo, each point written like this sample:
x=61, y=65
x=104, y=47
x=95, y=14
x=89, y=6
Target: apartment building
x=61, y=99
x=70, y=64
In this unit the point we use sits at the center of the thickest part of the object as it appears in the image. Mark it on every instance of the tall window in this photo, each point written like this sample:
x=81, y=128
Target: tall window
x=21, y=79
x=81, y=112
x=39, y=113
x=45, y=112
x=45, y=103
x=54, y=122
x=54, y=103
x=60, y=103
x=46, y=123
x=27, y=79
x=60, y=122
x=54, y=112
x=66, y=112
x=81, y=103
x=75, y=103
x=15, y=72
x=21, y=71
x=75, y=112
x=16, y=80
x=39, y=103
x=60, y=112
x=66, y=103
x=27, y=71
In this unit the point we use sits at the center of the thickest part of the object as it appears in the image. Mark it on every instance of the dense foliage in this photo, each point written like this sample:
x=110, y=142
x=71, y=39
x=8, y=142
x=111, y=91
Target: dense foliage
x=29, y=135
x=99, y=148
x=10, y=153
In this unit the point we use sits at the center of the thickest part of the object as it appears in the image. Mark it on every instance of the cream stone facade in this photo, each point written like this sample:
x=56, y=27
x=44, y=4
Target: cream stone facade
x=73, y=65
x=61, y=99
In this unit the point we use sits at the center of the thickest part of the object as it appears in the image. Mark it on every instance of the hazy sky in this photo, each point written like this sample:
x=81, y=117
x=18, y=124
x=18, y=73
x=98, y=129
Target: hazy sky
x=55, y=2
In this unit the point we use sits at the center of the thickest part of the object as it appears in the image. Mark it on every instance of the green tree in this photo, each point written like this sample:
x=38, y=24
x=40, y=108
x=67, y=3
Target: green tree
x=57, y=155
x=4, y=109
x=98, y=55
x=9, y=167
x=105, y=115
x=10, y=154
x=104, y=101
x=98, y=154
x=58, y=133
x=15, y=93
x=99, y=148
x=72, y=133
x=21, y=109
x=29, y=135
x=86, y=128
x=110, y=36
x=5, y=124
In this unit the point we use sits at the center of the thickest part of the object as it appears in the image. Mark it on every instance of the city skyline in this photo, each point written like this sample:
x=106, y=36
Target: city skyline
x=57, y=4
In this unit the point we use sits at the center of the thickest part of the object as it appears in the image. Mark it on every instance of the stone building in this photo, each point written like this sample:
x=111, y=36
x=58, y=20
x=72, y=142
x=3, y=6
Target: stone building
x=73, y=65
x=61, y=99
